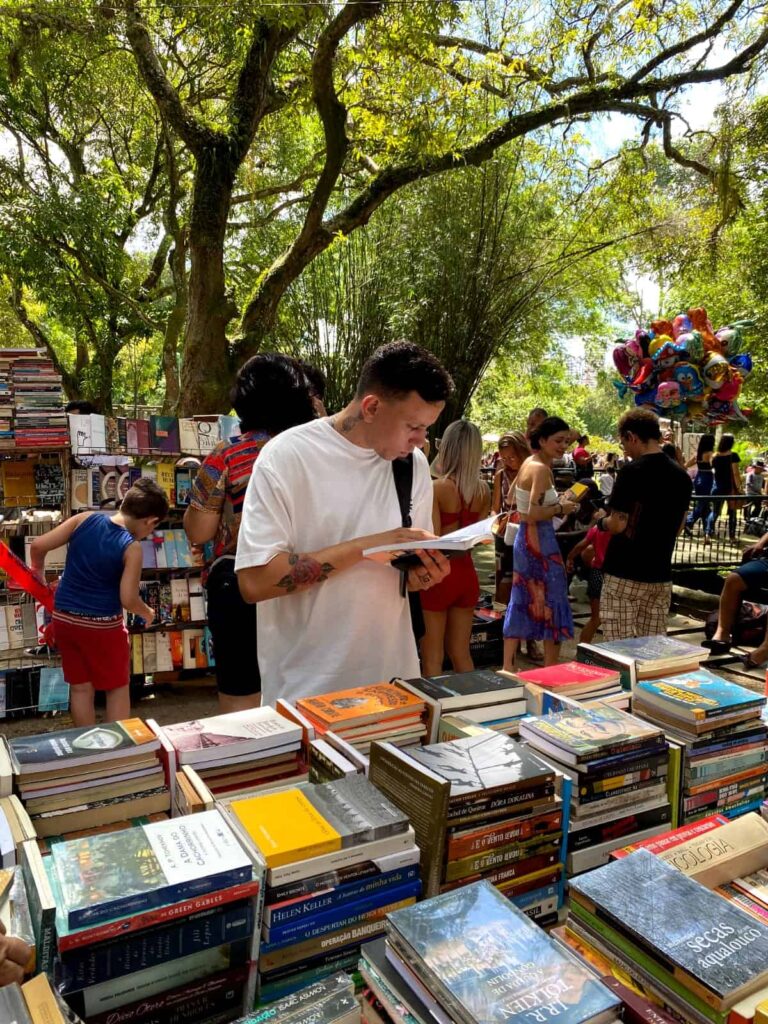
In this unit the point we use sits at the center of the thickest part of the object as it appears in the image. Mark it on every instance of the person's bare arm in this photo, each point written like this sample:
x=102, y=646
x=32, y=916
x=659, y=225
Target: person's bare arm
x=200, y=526
x=130, y=598
x=291, y=572
x=46, y=542
x=575, y=552
x=15, y=956
x=615, y=522
x=538, y=511
x=496, y=499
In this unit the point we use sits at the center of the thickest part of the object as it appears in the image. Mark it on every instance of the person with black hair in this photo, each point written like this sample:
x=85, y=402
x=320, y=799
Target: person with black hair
x=647, y=510
x=101, y=577
x=725, y=466
x=319, y=496
x=538, y=608
x=271, y=393
x=81, y=407
x=582, y=459
x=317, y=386
x=703, y=482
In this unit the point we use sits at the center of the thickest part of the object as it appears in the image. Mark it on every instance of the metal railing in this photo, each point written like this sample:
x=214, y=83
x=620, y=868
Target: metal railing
x=719, y=528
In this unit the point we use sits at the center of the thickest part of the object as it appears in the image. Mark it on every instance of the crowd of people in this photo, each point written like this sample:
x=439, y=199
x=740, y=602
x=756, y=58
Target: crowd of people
x=288, y=507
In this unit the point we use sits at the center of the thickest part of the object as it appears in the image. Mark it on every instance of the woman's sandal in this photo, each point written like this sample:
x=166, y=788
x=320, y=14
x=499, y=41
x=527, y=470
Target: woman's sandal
x=717, y=646
x=746, y=661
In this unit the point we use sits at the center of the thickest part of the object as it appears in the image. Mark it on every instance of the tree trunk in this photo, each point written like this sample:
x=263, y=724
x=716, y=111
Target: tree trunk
x=175, y=326
x=206, y=373
x=103, y=364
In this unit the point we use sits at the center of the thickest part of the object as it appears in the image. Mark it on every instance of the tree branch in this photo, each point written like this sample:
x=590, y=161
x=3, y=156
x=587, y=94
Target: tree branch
x=196, y=135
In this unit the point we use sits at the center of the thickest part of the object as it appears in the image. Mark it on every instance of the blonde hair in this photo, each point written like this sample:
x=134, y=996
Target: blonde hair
x=461, y=452
x=516, y=439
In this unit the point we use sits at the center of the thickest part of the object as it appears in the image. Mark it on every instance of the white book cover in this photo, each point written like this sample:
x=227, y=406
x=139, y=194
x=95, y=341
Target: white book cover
x=80, y=433
x=203, y=739
x=149, y=646
x=5, y=637
x=80, y=488
x=460, y=540
x=188, y=442
x=15, y=623
x=196, y=598
x=208, y=435
x=163, y=652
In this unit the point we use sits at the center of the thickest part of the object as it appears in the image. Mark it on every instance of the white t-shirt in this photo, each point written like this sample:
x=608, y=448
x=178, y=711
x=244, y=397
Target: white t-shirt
x=311, y=488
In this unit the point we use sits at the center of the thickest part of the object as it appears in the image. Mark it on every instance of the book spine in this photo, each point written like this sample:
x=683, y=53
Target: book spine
x=612, y=784
x=632, y=787
x=624, y=826
x=327, y=880
x=289, y=977
x=637, y=1009
x=212, y=997
x=629, y=767
x=341, y=896
x=156, y=916
x=504, y=834
x=612, y=761
x=356, y=934
x=524, y=800
x=341, y=917
x=135, y=904
x=93, y=965
x=473, y=803
x=336, y=859
x=542, y=852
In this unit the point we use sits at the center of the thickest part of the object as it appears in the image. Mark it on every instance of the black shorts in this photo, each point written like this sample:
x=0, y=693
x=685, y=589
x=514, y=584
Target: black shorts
x=594, y=584
x=233, y=627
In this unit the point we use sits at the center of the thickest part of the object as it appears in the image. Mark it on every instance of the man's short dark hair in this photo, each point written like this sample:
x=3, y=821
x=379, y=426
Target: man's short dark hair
x=538, y=411
x=81, y=406
x=272, y=393
x=145, y=499
x=396, y=369
x=643, y=423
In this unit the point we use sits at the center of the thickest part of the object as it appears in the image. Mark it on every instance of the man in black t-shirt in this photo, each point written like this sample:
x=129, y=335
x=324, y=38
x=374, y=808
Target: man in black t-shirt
x=648, y=506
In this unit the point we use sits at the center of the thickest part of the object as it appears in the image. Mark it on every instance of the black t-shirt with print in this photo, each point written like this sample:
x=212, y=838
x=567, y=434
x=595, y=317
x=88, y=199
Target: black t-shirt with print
x=654, y=493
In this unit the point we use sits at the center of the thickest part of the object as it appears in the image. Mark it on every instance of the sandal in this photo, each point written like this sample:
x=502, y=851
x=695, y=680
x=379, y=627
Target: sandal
x=717, y=646
x=746, y=661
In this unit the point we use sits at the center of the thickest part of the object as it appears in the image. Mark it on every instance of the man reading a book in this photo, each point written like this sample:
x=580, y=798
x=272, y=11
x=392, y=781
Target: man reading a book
x=647, y=510
x=321, y=494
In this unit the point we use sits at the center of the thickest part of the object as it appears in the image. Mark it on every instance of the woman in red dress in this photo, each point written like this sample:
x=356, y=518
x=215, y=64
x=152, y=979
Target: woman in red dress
x=460, y=498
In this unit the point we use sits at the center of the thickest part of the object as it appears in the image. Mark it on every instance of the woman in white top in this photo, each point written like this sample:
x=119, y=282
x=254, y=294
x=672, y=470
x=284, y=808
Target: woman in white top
x=539, y=608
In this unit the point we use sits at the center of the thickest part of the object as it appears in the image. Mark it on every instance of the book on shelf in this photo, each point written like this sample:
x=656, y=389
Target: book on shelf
x=717, y=952
x=101, y=877
x=458, y=690
x=343, y=709
x=164, y=434
x=483, y=960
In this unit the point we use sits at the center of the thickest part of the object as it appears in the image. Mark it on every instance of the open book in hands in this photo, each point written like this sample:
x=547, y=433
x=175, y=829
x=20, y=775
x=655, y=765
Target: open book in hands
x=402, y=555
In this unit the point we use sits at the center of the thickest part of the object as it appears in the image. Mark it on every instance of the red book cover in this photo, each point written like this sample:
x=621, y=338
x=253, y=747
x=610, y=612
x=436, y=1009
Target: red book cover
x=571, y=673
x=668, y=840
x=145, y=443
x=177, y=648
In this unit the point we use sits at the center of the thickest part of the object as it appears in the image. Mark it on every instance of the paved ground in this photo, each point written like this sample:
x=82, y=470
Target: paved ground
x=195, y=699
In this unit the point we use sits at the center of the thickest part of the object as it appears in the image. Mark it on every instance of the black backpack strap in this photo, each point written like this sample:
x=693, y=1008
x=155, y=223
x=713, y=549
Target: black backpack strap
x=402, y=470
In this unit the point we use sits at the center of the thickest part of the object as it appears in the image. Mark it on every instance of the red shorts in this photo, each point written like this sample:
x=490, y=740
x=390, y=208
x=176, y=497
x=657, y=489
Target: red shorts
x=459, y=589
x=94, y=651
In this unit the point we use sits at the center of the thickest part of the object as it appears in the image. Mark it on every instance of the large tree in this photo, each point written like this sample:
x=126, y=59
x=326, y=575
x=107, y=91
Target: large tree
x=383, y=95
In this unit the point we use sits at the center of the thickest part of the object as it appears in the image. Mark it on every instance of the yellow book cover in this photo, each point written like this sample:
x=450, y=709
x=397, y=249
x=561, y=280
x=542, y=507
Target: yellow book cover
x=286, y=827
x=167, y=480
x=41, y=1002
x=761, y=1012
x=19, y=483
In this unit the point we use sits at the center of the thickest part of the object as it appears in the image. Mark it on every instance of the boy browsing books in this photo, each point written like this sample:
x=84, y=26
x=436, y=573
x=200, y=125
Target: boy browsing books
x=592, y=550
x=101, y=577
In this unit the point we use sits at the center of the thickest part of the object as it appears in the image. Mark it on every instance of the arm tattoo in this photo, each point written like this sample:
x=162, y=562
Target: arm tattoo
x=304, y=572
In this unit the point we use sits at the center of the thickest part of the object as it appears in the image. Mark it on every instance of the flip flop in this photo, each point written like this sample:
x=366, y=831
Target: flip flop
x=716, y=646
x=746, y=661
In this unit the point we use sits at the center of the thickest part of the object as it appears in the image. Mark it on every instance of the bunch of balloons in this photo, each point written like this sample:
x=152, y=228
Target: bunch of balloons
x=684, y=368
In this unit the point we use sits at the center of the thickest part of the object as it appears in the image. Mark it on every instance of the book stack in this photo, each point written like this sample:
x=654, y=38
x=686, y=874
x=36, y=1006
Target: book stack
x=87, y=777
x=339, y=857
x=618, y=767
x=471, y=957
x=154, y=910
x=226, y=755
x=545, y=687
x=6, y=401
x=39, y=417
x=704, y=959
x=492, y=699
x=327, y=763
x=723, y=740
x=482, y=807
x=642, y=657
x=366, y=713
x=34, y=1002
x=327, y=1001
